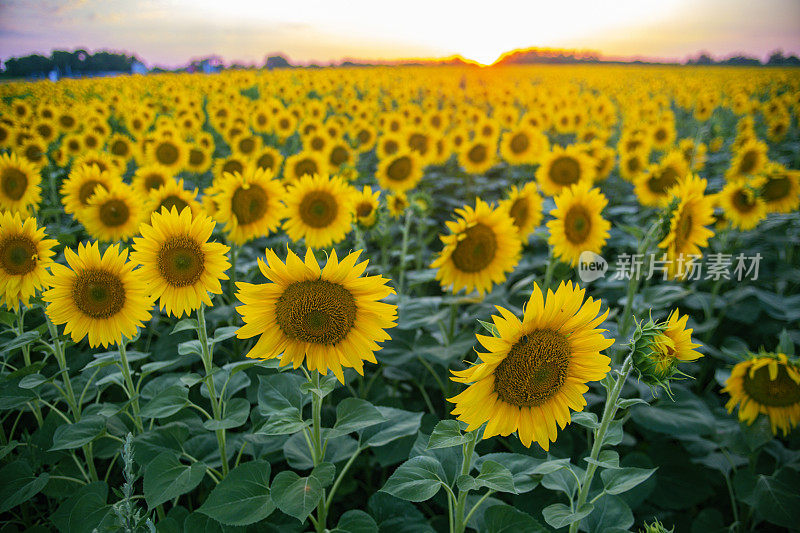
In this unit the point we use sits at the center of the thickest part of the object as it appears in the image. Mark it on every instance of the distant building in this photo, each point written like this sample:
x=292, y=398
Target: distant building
x=137, y=67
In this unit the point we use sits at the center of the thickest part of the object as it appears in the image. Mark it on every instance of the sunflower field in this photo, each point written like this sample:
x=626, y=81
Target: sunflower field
x=401, y=299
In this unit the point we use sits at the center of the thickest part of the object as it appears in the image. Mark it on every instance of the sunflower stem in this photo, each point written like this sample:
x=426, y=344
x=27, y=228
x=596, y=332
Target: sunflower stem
x=208, y=366
x=317, y=450
x=234, y=255
x=609, y=411
x=403, y=252
x=548, y=273
x=26, y=355
x=633, y=283
x=468, y=448
x=133, y=394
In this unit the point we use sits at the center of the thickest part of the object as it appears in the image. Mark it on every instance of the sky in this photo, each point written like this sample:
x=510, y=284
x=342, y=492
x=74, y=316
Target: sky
x=171, y=32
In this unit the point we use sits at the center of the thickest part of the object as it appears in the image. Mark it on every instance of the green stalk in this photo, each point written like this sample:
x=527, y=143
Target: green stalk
x=459, y=523
x=26, y=355
x=317, y=451
x=216, y=403
x=133, y=394
x=633, y=284
x=403, y=252
x=609, y=412
x=548, y=273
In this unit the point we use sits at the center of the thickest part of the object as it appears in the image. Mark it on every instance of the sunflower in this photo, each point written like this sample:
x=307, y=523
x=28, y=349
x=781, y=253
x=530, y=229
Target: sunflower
x=150, y=178
x=687, y=229
x=400, y=172
x=167, y=152
x=101, y=160
x=330, y=317
x=120, y=147
x=25, y=256
x=767, y=384
x=537, y=368
x=750, y=158
x=179, y=265
x=779, y=188
x=102, y=297
x=483, y=246
x=478, y=156
x=389, y=144
x=562, y=168
x=742, y=207
x=249, y=204
x=320, y=209
x=303, y=164
x=34, y=151
x=366, y=206
x=659, y=347
x=268, y=158
x=246, y=145
x=578, y=225
x=231, y=165
x=199, y=159
x=524, y=206
x=19, y=184
x=113, y=214
x=652, y=187
x=173, y=194
x=632, y=164
x=72, y=144
x=397, y=203
x=523, y=146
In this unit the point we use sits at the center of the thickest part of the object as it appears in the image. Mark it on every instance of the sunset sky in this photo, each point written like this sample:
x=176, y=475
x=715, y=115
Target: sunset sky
x=170, y=32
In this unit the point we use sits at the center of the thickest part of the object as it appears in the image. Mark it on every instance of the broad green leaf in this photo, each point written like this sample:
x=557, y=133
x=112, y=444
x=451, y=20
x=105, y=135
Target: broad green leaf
x=397, y=516
x=243, y=497
x=191, y=347
x=465, y=482
x=71, y=436
x=294, y=495
x=184, y=325
x=624, y=479
x=550, y=466
x=324, y=472
x=399, y=424
x=416, y=480
x=166, y=478
x=84, y=510
x=167, y=402
x=237, y=411
x=224, y=333
x=490, y=327
x=166, y=439
x=606, y=459
x=496, y=477
x=609, y=512
x=447, y=433
x=687, y=415
x=354, y=414
x=521, y=467
x=777, y=499
x=507, y=519
x=630, y=402
x=585, y=419
x=19, y=484
x=356, y=522
x=279, y=392
x=285, y=423
x=559, y=515
x=31, y=381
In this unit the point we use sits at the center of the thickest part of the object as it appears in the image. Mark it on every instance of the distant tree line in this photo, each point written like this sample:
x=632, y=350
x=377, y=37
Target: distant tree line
x=76, y=63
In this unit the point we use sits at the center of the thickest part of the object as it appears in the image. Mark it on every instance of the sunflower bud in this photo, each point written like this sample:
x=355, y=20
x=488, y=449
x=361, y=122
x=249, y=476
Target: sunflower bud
x=655, y=527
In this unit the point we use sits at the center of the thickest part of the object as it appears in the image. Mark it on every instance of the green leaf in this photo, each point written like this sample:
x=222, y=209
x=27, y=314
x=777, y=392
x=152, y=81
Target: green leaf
x=606, y=459
x=466, y=482
x=191, y=347
x=630, y=402
x=197, y=522
x=416, y=480
x=324, y=472
x=397, y=516
x=356, y=522
x=166, y=403
x=559, y=515
x=31, y=381
x=446, y=434
x=586, y=419
x=490, y=327
x=507, y=519
x=326, y=386
x=294, y=495
x=624, y=479
x=496, y=477
x=550, y=466
x=71, y=436
x=18, y=341
x=84, y=510
x=399, y=424
x=687, y=415
x=19, y=484
x=283, y=424
x=166, y=478
x=224, y=333
x=776, y=498
x=609, y=512
x=184, y=325
x=354, y=414
x=521, y=467
x=166, y=439
x=614, y=433
x=280, y=392
x=243, y=497
x=785, y=343
x=237, y=411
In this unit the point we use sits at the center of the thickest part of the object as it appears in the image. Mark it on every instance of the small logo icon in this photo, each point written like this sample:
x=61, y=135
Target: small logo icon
x=591, y=266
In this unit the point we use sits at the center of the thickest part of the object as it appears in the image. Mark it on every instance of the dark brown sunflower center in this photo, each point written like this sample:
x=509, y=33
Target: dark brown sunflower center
x=14, y=183
x=98, y=293
x=519, y=212
x=181, y=261
x=478, y=153
x=519, y=143
x=33, y=153
x=249, y=204
x=534, y=370
x=266, y=161
x=120, y=148
x=748, y=163
x=247, y=145
x=363, y=209
x=114, y=213
x=196, y=157
x=780, y=392
x=577, y=224
x=339, y=156
x=391, y=147
x=399, y=169
x=18, y=255
x=154, y=181
x=660, y=182
x=363, y=136
x=318, y=209
x=661, y=135
x=418, y=142
x=171, y=201
x=684, y=229
x=476, y=250
x=306, y=166
x=776, y=189
x=633, y=164
x=167, y=154
x=565, y=171
x=233, y=166
x=743, y=202
x=66, y=121
x=99, y=164
x=316, y=311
